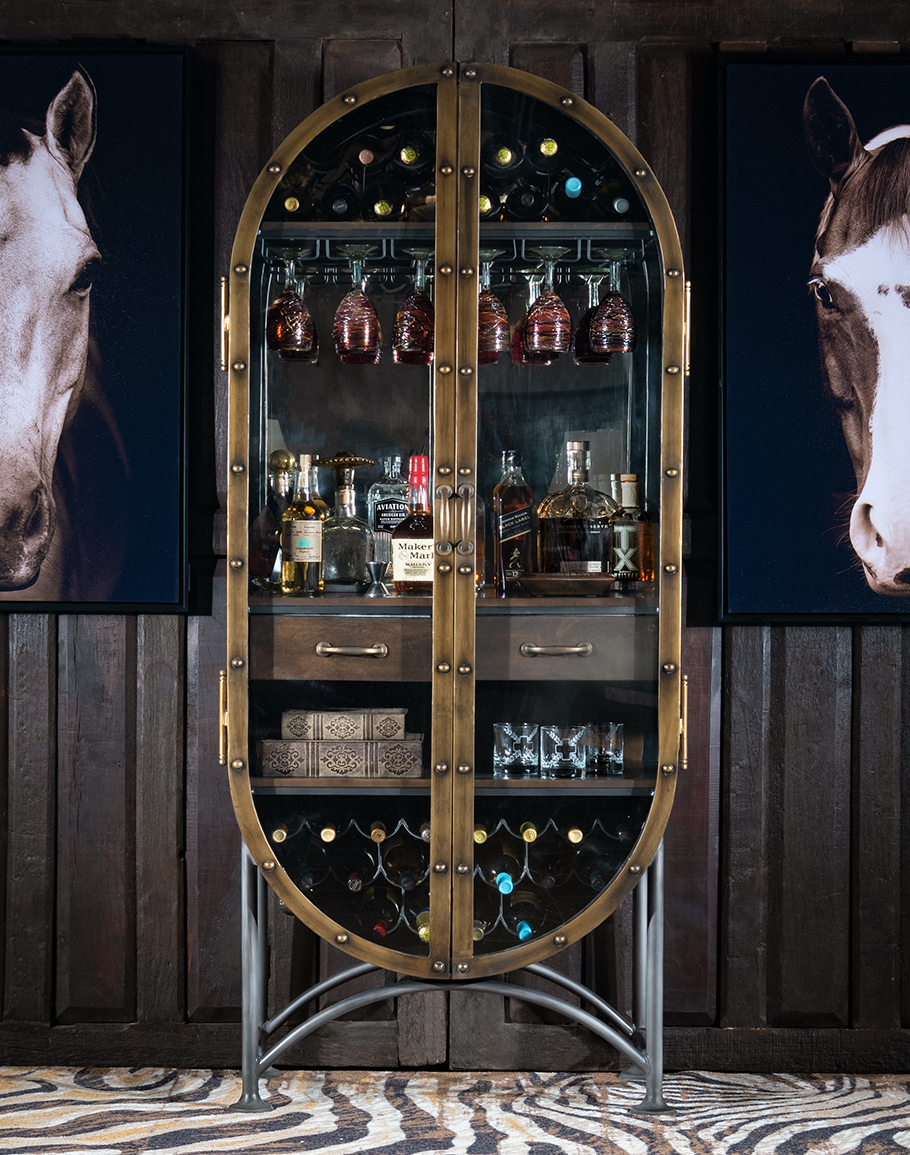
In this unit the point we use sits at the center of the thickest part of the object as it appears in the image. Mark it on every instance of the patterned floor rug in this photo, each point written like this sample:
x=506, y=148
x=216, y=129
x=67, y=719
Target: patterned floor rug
x=116, y=1111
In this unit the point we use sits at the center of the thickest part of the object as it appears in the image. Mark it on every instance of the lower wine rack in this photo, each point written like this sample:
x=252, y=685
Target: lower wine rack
x=390, y=904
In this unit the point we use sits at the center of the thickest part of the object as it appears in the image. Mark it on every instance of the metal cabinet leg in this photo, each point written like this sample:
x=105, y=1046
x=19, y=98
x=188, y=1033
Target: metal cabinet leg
x=653, y=1021
x=253, y=948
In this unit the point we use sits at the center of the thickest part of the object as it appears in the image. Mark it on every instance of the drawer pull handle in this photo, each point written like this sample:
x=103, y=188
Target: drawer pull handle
x=327, y=650
x=531, y=651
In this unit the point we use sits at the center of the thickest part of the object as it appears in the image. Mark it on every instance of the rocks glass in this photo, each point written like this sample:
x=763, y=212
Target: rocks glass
x=514, y=749
x=603, y=749
x=562, y=751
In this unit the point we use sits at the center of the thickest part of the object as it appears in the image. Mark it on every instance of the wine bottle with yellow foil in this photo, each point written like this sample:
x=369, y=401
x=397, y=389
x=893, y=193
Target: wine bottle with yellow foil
x=301, y=536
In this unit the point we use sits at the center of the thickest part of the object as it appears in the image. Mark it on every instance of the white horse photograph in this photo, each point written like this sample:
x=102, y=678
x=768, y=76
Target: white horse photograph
x=91, y=318
x=817, y=337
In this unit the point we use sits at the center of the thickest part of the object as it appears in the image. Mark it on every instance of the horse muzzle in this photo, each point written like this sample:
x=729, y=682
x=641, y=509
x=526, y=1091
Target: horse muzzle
x=26, y=533
x=882, y=544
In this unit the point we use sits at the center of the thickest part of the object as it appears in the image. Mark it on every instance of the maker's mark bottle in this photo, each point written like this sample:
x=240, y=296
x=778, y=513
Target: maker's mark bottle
x=412, y=538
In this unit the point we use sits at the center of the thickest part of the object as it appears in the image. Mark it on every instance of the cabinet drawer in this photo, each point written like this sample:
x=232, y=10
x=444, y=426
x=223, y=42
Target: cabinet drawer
x=614, y=648
x=285, y=647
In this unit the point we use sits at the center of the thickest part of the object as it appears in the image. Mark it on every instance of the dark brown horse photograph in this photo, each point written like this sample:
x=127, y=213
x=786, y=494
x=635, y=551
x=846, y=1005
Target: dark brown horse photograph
x=815, y=298
x=92, y=191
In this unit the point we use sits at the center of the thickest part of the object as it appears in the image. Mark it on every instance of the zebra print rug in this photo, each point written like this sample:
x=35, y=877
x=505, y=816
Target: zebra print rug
x=64, y=1111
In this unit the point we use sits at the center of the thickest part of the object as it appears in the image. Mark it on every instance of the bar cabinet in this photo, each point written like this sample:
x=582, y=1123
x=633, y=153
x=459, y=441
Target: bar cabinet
x=482, y=220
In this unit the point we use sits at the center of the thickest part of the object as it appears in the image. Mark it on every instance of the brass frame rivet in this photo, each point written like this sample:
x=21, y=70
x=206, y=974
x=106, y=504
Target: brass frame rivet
x=444, y=470
x=468, y=171
x=238, y=467
x=445, y=270
x=238, y=366
x=236, y=563
x=237, y=764
x=446, y=169
x=448, y=70
x=464, y=768
x=560, y=940
x=464, y=669
x=274, y=168
x=444, y=370
x=445, y=567
x=635, y=869
x=470, y=73
x=439, y=966
x=669, y=667
x=464, y=471
x=464, y=570
x=349, y=98
x=668, y=769
x=462, y=968
x=440, y=867
x=672, y=272
x=466, y=371
x=462, y=868
x=441, y=767
x=241, y=270
x=673, y=369
x=672, y=472
x=641, y=172
x=443, y=668
x=670, y=568
x=567, y=101
x=467, y=271
x=237, y=663
x=269, y=864
x=341, y=939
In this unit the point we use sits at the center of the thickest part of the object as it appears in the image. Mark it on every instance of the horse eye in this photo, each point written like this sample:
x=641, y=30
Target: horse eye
x=85, y=278
x=822, y=295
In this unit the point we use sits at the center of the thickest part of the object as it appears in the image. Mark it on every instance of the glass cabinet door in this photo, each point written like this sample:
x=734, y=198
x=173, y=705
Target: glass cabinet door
x=456, y=309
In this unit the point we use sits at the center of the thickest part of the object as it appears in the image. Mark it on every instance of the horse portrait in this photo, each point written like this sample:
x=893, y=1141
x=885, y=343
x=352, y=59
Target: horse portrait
x=860, y=281
x=85, y=408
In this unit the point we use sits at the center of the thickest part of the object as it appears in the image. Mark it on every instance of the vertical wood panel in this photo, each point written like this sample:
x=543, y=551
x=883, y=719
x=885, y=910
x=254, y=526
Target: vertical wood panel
x=663, y=124
x=31, y=816
x=615, y=84
x=96, y=815
x=875, y=842
x=562, y=64
x=160, y=804
x=297, y=85
x=348, y=62
x=744, y=897
x=809, y=843
x=212, y=834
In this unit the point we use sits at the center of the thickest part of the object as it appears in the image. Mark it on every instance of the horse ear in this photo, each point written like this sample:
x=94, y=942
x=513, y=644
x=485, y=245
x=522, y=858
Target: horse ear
x=70, y=132
x=831, y=135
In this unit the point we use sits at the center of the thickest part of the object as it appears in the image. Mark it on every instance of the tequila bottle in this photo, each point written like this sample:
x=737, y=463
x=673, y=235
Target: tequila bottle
x=632, y=546
x=301, y=536
x=265, y=532
x=347, y=540
x=573, y=524
x=387, y=505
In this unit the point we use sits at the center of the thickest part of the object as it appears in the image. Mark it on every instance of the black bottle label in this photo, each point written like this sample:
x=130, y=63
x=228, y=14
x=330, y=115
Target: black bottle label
x=514, y=523
x=388, y=513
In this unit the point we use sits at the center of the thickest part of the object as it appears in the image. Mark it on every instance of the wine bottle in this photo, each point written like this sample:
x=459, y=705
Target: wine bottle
x=301, y=536
x=356, y=866
x=378, y=831
x=370, y=152
x=528, y=831
x=632, y=537
x=412, y=538
x=404, y=861
x=379, y=910
x=414, y=156
x=384, y=198
x=420, y=202
x=313, y=866
x=572, y=197
x=489, y=204
x=513, y=528
x=544, y=154
x=340, y=202
x=551, y=863
x=573, y=524
x=523, y=913
x=501, y=158
x=265, y=532
x=525, y=203
x=614, y=198
x=499, y=864
x=480, y=833
x=599, y=858
x=424, y=831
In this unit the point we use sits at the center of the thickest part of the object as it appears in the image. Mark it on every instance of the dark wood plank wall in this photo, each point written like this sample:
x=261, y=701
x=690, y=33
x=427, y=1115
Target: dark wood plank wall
x=789, y=848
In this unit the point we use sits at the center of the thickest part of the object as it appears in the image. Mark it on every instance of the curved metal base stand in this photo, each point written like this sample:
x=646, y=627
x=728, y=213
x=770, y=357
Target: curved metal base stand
x=629, y=1039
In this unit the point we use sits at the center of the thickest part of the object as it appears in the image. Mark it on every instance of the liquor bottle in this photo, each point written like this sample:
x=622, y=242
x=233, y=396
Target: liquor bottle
x=632, y=547
x=525, y=203
x=301, y=536
x=404, y=861
x=523, y=913
x=480, y=543
x=387, y=505
x=513, y=525
x=379, y=910
x=384, y=198
x=499, y=863
x=347, y=543
x=573, y=524
x=340, y=202
x=412, y=538
x=265, y=532
x=501, y=158
x=413, y=157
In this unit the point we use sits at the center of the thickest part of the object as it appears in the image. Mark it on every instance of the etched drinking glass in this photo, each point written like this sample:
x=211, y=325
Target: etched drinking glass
x=358, y=338
x=514, y=749
x=562, y=751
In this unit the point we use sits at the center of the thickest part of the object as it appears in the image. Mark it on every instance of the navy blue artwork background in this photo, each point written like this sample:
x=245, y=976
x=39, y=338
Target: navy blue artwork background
x=133, y=190
x=788, y=477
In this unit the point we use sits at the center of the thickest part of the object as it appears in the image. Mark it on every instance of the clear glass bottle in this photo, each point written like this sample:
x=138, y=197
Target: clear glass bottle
x=301, y=536
x=632, y=536
x=387, y=505
x=573, y=525
x=412, y=539
x=347, y=540
x=513, y=525
x=265, y=532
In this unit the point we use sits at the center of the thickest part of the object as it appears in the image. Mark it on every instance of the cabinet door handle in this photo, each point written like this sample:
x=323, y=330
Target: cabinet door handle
x=466, y=543
x=222, y=717
x=444, y=541
x=327, y=650
x=225, y=324
x=531, y=651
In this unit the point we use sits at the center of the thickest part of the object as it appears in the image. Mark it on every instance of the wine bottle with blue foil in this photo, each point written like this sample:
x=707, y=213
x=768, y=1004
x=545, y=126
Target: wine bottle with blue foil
x=523, y=913
x=500, y=862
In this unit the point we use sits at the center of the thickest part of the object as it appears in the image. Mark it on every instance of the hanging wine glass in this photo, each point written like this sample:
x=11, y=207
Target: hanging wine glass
x=548, y=327
x=492, y=319
x=412, y=335
x=289, y=328
x=613, y=326
x=358, y=338
x=521, y=354
x=582, y=352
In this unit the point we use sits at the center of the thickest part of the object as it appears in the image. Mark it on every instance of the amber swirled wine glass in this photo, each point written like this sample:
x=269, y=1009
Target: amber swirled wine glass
x=548, y=327
x=412, y=334
x=289, y=328
x=613, y=325
x=492, y=319
x=358, y=338
x=582, y=353
x=521, y=354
